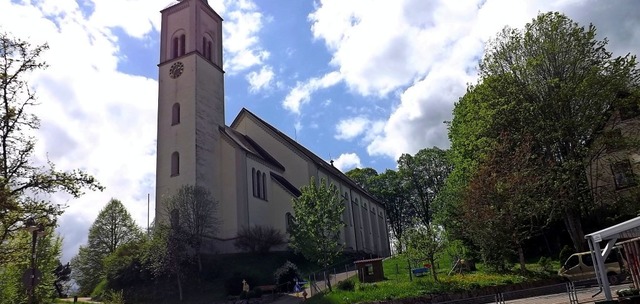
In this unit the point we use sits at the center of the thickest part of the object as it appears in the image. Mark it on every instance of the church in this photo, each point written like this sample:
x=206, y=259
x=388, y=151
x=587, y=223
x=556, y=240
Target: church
x=252, y=169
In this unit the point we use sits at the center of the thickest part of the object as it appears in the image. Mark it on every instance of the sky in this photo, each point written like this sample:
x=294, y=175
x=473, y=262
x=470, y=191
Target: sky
x=359, y=82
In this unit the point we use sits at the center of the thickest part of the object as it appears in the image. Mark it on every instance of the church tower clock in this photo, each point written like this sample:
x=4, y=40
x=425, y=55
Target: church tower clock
x=190, y=100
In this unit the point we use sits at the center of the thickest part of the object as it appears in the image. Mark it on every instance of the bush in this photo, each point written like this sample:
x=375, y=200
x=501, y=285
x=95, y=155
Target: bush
x=346, y=285
x=114, y=297
x=100, y=290
x=258, y=239
x=287, y=273
x=545, y=264
x=565, y=253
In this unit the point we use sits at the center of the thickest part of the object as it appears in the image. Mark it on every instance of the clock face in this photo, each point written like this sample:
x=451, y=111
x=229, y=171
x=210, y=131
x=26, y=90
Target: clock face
x=176, y=70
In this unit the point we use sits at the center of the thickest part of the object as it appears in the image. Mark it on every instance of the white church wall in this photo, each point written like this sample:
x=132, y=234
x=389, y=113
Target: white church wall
x=229, y=202
x=259, y=213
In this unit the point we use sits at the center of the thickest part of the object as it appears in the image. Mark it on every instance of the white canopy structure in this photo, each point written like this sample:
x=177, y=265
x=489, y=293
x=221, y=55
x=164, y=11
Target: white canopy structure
x=620, y=232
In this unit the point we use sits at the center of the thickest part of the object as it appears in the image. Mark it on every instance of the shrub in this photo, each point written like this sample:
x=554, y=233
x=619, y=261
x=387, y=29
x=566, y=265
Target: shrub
x=114, y=297
x=258, y=239
x=565, y=253
x=545, y=264
x=100, y=290
x=287, y=273
x=346, y=285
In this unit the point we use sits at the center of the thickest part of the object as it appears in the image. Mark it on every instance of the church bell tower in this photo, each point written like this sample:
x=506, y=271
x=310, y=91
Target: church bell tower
x=190, y=100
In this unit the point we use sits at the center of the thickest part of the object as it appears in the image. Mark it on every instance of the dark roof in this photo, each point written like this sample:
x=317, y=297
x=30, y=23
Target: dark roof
x=250, y=146
x=368, y=261
x=317, y=160
x=286, y=184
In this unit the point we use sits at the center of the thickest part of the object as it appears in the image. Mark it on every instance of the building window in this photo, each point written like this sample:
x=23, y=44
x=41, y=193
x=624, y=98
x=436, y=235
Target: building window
x=206, y=48
x=623, y=174
x=183, y=46
x=209, y=48
x=253, y=181
x=176, y=46
x=264, y=186
x=175, y=164
x=175, y=114
x=258, y=182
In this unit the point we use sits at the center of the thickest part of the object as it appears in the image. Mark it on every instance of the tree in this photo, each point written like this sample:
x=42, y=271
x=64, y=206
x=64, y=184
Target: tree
x=317, y=223
x=47, y=255
x=503, y=207
x=424, y=243
x=552, y=80
x=424, y=174
x=364, y=177
x=21, y=179
x=396, y=197
x=259, y=239
x=195, y=209
x=112, y=228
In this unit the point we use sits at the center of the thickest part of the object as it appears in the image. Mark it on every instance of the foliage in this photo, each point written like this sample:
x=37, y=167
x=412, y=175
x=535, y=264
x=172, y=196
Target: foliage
x=259, y=239
x=315, y=231
x=114, y=297
x=193, y=214
x=364, y=177
x=48, y=250
x=551, y=82
x=545, y=264
x=127, y=266
x=346, y=285
x=112, y=228
x=396, y=197
x=565, y=253
x=287, y=274
x=502, y=207
x=316, y=228
x=424, y=243
x=62, y=275
x=22, y=180
x=100, y=290
x=424, y=175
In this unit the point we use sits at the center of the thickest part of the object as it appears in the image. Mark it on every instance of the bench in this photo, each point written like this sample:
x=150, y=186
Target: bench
x=418, y=272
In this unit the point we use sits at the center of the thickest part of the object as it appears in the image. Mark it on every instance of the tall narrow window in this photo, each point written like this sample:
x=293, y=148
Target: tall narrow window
x=175, y=114
x=258, y=179
x=182, y=44
x=204, y=46
x=176, y=46
x=253, y=181
x=264, y=186
x=289, y=222
x=209, y=47
x=623, y=174
x=175, y=164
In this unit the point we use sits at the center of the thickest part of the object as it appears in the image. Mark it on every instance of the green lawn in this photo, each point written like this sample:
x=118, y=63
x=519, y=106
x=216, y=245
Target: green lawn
x=397, y=283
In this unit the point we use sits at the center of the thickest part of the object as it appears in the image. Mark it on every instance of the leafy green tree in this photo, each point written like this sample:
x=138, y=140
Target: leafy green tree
x=112, y=228
x=397, y=203
x=196, y=210
x=315, y=231
x=22, y=180
x=553, y=80
x=48, y=251
x=424, y=243
x=364, y=177
x=424, y=174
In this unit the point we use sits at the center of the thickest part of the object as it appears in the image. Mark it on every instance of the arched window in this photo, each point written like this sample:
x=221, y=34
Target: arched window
x=176, y=46
x=258, y=179
x=253, y=181
x=264, y=186
x=182, y=44
x=175, y=114
x=175, y=164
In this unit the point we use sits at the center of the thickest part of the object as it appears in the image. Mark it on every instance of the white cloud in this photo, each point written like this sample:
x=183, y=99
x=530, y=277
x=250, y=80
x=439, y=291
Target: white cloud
x=350, y=128
x=301, y=94
x=347, y=161
x=241, y=42
x=260, y=80
x=426, y=52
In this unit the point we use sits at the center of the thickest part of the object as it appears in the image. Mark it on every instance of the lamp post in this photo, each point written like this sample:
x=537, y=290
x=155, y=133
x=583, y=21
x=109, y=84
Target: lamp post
x=35, y=230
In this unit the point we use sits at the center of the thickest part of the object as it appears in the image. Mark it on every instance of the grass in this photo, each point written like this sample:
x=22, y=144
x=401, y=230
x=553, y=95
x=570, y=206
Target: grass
x=397, y=283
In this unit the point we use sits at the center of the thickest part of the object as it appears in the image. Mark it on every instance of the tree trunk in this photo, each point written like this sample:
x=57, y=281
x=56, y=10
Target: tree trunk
x=574, y=227
x=523, y=265
x=328, y=277
x=179, y=287
x=432, y=260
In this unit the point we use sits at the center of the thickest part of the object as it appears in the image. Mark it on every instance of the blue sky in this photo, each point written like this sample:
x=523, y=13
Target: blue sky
x=359, y=81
